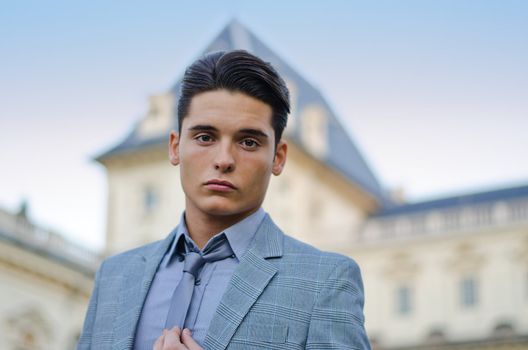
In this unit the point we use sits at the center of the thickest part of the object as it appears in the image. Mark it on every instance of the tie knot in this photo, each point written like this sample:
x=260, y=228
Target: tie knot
x=193, y=263
x=216, y=251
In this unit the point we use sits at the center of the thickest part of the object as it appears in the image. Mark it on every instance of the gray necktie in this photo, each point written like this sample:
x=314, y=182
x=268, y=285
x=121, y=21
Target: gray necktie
x=194, y=261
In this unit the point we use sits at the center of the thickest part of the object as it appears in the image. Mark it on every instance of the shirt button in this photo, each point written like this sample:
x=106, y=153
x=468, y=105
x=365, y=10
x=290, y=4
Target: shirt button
x=197, y=282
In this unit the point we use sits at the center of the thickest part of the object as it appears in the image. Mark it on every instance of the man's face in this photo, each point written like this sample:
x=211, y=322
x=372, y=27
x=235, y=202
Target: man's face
x=226, y=152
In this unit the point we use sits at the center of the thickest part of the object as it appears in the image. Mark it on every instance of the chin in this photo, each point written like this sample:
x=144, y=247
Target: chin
x=223, y=208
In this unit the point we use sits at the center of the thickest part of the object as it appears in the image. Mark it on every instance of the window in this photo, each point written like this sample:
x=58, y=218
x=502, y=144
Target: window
x=314, y=210
x=403, y=300
x=452, y=220
x=526, y=284
x=484, y=215
x=418, y=224
x=314, y=130
x=519, y=210
x=149, y=199
x=468, y=292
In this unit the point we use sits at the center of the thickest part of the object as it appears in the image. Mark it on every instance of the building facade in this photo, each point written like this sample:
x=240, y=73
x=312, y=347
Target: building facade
x=46, y=284
x=448, y=274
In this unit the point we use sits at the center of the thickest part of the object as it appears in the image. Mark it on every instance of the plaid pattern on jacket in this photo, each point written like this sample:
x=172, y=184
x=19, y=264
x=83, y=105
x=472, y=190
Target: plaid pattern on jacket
x=283, y=295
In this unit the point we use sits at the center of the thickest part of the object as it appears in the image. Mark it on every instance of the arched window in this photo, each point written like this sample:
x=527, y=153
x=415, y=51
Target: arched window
x=29, y=329
x=504, y=329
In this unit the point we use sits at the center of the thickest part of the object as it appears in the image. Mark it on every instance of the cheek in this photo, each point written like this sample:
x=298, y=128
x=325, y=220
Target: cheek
x=257, y=174
x=193, y=159
x=192, y=168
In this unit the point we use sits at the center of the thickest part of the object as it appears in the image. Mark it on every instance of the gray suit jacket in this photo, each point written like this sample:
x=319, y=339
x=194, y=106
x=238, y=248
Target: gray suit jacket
x=284, y=294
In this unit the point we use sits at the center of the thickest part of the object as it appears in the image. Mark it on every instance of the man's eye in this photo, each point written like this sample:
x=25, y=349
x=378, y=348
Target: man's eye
x=249, y=143
x=204, y=138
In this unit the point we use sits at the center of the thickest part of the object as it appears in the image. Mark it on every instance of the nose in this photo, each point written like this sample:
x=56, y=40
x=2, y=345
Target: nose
x=224, y=161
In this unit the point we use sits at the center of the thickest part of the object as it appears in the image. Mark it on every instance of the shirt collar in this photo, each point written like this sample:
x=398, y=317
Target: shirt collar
x=180, y=230
x=239, y=235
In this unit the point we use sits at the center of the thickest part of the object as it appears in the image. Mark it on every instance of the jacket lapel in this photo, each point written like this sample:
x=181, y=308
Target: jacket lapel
x=140, y=273
x=248, y=282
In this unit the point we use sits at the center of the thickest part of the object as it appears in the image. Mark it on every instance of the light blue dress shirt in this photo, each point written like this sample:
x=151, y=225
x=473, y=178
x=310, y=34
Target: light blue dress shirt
x=214, y=278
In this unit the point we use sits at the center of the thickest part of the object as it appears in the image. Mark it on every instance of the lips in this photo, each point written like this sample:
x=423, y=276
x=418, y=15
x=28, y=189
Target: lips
x=220, y=185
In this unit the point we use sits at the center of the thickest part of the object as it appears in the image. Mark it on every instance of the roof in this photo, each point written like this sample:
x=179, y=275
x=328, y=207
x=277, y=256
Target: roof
x=503, y=194
x=342, y=154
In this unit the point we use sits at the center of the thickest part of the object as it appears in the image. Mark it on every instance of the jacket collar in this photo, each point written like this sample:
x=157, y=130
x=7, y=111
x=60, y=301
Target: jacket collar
x=139, y=274
x=248, y=282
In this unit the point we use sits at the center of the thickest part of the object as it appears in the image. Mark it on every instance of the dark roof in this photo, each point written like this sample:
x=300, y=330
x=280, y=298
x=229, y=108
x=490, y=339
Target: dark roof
x=504, y=194
x=133, y=141
x=342, y=154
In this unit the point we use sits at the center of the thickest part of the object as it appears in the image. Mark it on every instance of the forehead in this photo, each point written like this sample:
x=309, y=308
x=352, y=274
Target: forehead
x=227, y=108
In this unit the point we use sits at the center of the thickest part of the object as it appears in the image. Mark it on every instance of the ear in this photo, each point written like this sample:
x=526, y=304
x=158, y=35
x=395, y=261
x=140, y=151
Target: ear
x=280, y=157
x=174, y=148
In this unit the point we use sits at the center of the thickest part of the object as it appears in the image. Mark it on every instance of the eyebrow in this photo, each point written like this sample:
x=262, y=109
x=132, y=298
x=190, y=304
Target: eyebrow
x=202, y=128
x=254, y=132
x=247, y=131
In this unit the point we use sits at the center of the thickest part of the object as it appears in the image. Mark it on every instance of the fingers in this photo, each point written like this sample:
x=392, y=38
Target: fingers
x=172, y=340
x=158, y=345
x=188, y=341
x=176, y=339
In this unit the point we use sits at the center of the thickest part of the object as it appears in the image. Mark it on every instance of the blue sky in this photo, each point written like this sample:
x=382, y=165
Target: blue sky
x=433, y=92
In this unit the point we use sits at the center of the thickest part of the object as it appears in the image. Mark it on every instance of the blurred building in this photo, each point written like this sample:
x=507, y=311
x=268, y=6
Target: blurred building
x=45, y=285
x=450, y=273
x=445, y=274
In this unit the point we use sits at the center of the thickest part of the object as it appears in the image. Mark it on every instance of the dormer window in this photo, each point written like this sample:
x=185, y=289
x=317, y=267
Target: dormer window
x=315, y=130
x=159, y=117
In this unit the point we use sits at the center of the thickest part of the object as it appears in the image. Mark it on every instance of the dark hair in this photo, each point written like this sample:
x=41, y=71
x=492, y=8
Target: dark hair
x=238, y=71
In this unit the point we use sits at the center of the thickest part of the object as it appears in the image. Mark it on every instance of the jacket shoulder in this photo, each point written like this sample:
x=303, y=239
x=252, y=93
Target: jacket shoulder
x=116, y=261
x=299, y=248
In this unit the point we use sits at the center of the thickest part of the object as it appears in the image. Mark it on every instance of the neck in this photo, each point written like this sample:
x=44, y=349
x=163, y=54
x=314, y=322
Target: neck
x=202, y=227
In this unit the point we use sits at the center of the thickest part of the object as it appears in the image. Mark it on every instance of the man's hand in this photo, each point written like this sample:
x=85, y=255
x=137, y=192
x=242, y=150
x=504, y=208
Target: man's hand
x=176, y=339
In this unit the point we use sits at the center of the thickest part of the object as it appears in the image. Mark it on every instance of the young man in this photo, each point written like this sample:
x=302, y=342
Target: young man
x=227, y=277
